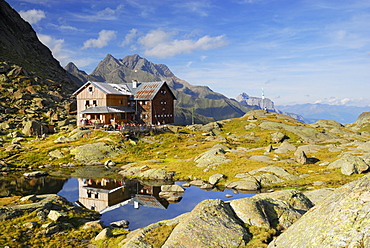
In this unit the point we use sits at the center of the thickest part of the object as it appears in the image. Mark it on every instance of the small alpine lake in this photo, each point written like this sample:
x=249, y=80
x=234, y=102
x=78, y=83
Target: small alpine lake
x=137, y=201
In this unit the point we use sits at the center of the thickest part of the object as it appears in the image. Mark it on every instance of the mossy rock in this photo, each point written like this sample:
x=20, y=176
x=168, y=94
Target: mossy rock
x=94, y=151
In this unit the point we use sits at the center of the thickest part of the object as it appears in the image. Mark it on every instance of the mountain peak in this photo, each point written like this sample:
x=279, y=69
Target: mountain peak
x=110, y=58
x=107, y=65
x=134, y=57
x=71, y=67
x=242, y=96
x=245, y=99
x=135, y=62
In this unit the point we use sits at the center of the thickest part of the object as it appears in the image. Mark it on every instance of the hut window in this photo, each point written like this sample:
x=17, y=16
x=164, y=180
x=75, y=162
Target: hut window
x=87, y=103
x=95, y=103
x=91, y=90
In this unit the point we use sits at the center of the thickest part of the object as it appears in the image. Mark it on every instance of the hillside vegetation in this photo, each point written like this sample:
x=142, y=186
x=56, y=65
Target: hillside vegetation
x=245, y=143
x=259, y=151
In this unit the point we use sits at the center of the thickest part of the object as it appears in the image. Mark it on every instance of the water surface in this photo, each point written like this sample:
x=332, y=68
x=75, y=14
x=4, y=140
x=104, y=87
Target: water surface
x=149, y=207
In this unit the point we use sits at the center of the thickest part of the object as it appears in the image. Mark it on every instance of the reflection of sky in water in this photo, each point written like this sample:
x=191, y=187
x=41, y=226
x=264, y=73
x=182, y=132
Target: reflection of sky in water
x=70, y=190
x=145, y=215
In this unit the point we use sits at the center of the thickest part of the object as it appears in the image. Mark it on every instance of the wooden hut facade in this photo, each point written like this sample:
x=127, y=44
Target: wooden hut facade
x=107, y=103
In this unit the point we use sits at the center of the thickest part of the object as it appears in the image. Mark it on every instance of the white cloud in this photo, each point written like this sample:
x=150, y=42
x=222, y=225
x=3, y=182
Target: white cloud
x=248, y=1
x=69, y=28
x=64, y=27
x=203, y=58
x=198, y=7
x=104, y=37
x=159, y=43
x=155, y=37
x=345, y=101
x=56, y=47
x=341, y=34
x=144, y=10
x=108, y=13
x=130, y=37
x=338, y=101
x=189, y=63
x=32, y=16
x=105, y=14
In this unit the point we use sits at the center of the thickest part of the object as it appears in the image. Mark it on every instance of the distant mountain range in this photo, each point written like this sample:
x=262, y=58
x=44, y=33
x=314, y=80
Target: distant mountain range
x=265, y=103
x=313, y=112
x=307, y=113
x=199, y=102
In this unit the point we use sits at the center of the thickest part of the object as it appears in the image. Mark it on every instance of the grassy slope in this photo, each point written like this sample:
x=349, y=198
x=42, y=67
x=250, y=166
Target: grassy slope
x=178, y=150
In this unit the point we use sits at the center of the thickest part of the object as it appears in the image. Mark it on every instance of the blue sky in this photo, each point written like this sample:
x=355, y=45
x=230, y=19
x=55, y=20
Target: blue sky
x=298, y=51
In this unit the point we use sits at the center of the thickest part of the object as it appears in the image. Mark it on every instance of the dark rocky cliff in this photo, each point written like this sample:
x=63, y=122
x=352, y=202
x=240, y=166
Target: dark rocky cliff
x=19, y=45
x=33, y=85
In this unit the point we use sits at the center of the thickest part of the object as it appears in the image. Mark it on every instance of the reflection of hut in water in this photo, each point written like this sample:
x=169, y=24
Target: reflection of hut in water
x=104, y=195
x=100, y=194
x=148, y=196
x=149, y=201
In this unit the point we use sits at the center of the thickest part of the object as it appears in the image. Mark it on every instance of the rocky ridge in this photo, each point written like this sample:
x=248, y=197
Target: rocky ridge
x=20, y=45
x=31, y=103
x=33, y=85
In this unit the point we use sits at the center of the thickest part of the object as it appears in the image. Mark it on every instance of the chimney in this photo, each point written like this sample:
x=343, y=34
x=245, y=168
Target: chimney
x=134, y=84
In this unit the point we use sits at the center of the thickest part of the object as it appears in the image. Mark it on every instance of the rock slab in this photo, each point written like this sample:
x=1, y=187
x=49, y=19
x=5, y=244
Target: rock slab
x=340, y=220
x=210, y=224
